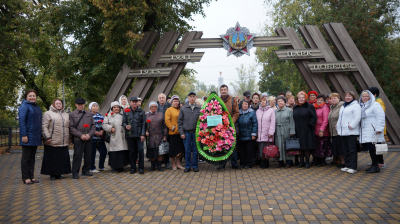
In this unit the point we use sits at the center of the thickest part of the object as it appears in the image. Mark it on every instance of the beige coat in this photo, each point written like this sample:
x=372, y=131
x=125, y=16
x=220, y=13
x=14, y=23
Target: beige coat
x=55, y=126
x=334, y=117
x=117, y=139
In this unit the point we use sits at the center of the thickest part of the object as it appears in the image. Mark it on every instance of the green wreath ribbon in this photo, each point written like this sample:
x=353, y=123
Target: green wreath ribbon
x=210, y=158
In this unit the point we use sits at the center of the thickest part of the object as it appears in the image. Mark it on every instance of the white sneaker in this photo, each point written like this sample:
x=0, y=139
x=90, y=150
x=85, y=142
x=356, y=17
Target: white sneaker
x=344, y=169
x=95, y=171
x=351, y=171
x=103, y=169
x=328, y=158
x=382, y=166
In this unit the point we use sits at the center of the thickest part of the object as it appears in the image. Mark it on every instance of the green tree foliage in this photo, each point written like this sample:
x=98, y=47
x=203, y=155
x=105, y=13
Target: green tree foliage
x=83, y=43
x=246, y=81
x=370, y=23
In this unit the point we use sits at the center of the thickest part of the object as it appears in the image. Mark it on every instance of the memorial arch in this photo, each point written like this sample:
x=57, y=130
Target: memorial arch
x=315, y=62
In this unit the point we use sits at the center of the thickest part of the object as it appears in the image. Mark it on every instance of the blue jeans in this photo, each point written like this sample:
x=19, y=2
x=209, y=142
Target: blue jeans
x=190, y=146
x=234, y=162
x=103, y=153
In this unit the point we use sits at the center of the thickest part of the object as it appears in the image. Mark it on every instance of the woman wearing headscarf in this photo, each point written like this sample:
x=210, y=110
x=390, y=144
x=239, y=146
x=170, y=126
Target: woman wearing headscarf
x=118, y=155
x=305, y=119
x=175, y=140
x=248, y=134
x=348, y=126
x=255, y=102
x=266, y=129
x=372, y=127
x=284, y=129
x=123, y=102
x=55, y=127
x=156, y=132
x=98, y=143
x=322, y=131
x=337, y=145
x=30, y=133
x=312, y=95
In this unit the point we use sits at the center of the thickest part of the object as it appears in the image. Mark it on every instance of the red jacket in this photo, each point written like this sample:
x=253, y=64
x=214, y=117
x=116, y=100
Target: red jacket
x=322, y=120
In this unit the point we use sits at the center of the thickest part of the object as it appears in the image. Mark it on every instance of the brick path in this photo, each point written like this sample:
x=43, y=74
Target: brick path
x=316, y=195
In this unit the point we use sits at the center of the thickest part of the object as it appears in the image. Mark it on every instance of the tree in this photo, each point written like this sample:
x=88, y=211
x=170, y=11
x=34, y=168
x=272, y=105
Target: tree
x=370, y=23
x=247, y=80
x=81, y=43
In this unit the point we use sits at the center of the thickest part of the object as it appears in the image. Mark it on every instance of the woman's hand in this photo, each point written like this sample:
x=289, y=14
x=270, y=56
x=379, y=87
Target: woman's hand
x=48, y=141
x=173, y=128
x=147, y=133
x=270, y=136
x=25, y=139
x=291, y=135
x=378, y=132
x=113, y=130
x=253, y=137
x=321, y=134
x=350, y=127
x=128, y=127
x=142, y=138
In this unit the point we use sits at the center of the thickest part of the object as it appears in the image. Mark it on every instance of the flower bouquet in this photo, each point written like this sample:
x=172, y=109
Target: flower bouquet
x=215, y=143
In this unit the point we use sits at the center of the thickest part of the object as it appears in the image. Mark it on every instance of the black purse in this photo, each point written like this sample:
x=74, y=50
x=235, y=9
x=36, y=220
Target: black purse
x=292, y=144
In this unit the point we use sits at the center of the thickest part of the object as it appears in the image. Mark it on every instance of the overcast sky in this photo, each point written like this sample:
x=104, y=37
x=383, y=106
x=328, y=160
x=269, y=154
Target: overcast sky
x=220, y=16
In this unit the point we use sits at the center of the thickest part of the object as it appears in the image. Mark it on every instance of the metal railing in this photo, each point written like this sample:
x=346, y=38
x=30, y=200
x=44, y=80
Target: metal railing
x=9, y=136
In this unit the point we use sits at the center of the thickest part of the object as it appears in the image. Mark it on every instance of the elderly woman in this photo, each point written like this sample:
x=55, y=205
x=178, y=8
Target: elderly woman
x=313, y=97
x=348, y=127
x=123, y=102
x=156, y=132
x=55, y=127
x=248, y=131
x=30, y=133
x=255, y=103
x=98, y=142
x=266, y=129
x=372, y=126
x=337, y=145
x=272, y=102
x=291, y=102
x=305, y=119
x=322, y=131
x=175, y=140
x=284, y=129
x=264, y=95
x=118, y=155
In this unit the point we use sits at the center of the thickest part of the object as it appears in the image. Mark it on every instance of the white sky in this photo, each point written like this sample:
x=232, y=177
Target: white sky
x=220, y=16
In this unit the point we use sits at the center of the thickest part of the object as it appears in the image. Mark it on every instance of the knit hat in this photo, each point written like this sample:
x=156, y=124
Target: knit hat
x=91, y=104
x=174, y=97
x=153, y=103
x=264, y=94
x=115, y=103
x=312, y=92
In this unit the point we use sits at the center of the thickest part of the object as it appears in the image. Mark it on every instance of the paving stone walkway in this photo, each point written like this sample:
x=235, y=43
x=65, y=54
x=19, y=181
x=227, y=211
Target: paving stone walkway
x=274, y=195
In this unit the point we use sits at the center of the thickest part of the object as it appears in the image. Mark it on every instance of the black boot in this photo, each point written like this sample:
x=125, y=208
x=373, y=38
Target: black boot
x=374, y=169
x=369, y=168
x=266, y=163
x=153, y=165
x=262, y=164
x=159, y=166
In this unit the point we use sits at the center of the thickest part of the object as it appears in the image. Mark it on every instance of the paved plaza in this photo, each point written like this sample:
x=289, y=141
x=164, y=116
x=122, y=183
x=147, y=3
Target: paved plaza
x=274, y=195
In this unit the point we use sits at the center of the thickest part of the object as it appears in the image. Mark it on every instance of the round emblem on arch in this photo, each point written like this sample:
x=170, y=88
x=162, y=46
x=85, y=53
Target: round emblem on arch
x=238, y=40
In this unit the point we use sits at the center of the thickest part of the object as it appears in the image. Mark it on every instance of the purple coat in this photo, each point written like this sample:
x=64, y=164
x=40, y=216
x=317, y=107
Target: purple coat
x=266, y=124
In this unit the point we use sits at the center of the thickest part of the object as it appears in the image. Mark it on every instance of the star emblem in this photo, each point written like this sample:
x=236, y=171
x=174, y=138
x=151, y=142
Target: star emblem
x=238, y=40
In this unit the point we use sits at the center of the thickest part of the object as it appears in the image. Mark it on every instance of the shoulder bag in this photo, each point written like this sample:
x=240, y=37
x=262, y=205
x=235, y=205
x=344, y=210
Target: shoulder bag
x=270, y=151
x=292, y=144
x=163, y=148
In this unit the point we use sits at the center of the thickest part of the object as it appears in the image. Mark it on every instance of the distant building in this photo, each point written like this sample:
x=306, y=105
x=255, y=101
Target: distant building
x=220, y=82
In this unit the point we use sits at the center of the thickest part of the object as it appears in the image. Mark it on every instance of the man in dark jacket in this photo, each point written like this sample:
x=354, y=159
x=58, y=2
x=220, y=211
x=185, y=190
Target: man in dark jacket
x=82, y=128
x=246, y=96
x=163, y=105
x=232, y=106
x=134, y=123
x=187, y=122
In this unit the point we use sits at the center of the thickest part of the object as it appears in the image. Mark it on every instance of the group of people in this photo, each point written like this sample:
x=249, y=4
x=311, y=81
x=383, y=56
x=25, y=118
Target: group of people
x=324, y=125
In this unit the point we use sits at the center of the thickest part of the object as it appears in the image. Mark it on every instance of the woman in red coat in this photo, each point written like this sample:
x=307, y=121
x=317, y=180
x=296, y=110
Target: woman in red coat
x=322, y=131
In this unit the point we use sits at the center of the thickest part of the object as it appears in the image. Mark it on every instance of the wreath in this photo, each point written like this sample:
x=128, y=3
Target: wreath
x=215, y=143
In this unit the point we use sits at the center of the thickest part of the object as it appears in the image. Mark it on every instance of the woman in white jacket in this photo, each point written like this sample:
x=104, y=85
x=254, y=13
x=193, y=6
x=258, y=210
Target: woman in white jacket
x=372, y=125
x=348, y=127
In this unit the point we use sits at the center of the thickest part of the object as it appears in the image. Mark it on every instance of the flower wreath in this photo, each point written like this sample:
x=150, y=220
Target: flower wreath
x=215, y=144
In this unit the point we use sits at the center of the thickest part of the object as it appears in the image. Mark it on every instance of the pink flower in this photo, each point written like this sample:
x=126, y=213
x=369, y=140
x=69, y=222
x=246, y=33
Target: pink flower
x=216, y=102
x=203, y=126
x=203, y=111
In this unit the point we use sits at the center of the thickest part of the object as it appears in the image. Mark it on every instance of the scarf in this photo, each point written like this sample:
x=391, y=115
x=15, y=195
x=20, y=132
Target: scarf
x=300, y=104
x=316, y=106
x=347, y=103
x=255, y=106
x=225, y=98
x=312, y=101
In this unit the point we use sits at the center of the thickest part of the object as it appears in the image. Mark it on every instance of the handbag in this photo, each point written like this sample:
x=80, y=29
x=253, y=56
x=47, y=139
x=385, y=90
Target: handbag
x=163, y=148
x=107, y=137
x=270, y=151
x=381, y=148
x=292, y=144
